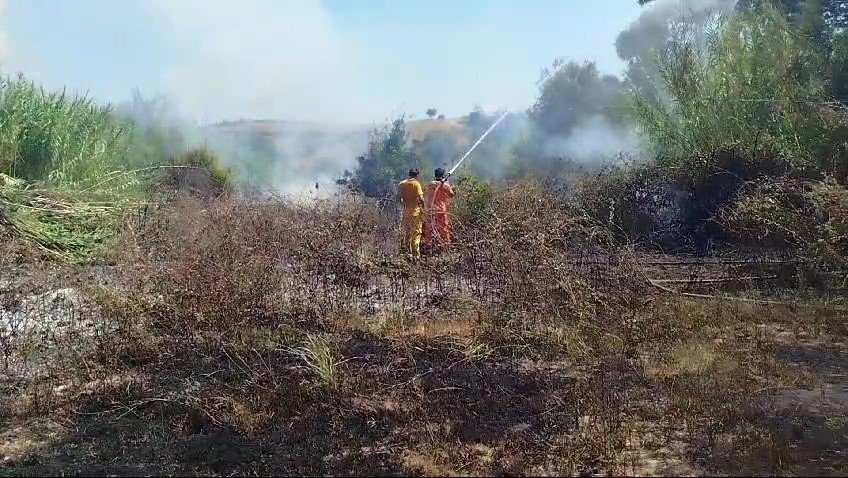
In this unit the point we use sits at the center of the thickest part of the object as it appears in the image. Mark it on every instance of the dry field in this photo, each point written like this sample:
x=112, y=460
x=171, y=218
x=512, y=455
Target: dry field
x=232, y=337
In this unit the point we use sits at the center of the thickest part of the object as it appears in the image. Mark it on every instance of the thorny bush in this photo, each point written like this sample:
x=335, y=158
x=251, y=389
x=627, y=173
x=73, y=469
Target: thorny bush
x=810, y=217
x=548, y=264
x=229, y=262
x=232, y=262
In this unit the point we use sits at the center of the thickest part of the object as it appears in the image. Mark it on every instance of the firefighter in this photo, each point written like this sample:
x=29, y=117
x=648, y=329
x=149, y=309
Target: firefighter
x=411, y=197
x=437, y=233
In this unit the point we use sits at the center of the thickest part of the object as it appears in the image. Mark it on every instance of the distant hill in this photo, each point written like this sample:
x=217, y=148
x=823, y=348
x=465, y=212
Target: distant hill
x=418, y=129
x=285, y=127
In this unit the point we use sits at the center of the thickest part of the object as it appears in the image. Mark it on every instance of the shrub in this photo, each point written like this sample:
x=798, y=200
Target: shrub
x=474, y=200
x=198, y=172
x=634, y=201
x=219, y=264
x=387, y=161
x=810, y=217
x=530, y=255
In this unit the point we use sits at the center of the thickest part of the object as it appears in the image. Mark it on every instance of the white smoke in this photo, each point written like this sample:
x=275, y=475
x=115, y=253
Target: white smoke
x=651, y=29
x=315, y=154
x=266, y=59
x=262, y=59
x=594, y=140
x=287, y=156
x=4, y=37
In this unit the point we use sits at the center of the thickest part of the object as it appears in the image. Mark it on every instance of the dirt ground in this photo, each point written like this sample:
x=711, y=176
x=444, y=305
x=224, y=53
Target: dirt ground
x=740, y=387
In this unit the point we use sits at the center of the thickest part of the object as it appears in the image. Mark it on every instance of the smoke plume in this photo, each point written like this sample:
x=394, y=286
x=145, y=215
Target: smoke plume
x=4, y=38
x=594, y=140
x=652, y=28
x=260, y=59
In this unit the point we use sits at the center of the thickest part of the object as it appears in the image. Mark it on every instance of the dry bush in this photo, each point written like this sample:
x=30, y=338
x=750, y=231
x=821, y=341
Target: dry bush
x=259, y=336
x=544, y=264
x=634, y=201
x=529, y=259
x=676, y=208
x=229, y=262
x=810, y=217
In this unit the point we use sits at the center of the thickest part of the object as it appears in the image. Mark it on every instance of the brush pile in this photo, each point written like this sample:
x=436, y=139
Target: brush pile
x=59, y=224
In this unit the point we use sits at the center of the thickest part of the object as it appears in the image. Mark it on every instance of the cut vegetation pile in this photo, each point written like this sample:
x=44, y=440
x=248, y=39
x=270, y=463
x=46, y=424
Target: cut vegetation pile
x=61, y=160
x=69, y=170
x=55, y=223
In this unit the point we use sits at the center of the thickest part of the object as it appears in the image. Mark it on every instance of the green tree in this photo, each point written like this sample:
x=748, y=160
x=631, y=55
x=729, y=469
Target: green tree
x=818, y=19
x=570, y=92
x=387, y=160
x=749, y=88
x=431, y=112
x=811, y=23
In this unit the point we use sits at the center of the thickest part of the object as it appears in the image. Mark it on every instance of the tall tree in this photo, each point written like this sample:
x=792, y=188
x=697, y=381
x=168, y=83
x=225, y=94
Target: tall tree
x=387, y=160
x=571, y=92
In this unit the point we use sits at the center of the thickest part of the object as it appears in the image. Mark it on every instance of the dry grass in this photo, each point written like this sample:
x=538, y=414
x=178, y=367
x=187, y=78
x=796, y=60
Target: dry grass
x=418, y=130
x=257, y=336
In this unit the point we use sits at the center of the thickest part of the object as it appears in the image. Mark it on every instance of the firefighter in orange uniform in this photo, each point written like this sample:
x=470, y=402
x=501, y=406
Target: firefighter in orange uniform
x=437, y=231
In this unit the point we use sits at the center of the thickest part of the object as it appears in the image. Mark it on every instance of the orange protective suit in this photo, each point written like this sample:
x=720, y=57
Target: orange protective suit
x=437, y=233
x=411, y=196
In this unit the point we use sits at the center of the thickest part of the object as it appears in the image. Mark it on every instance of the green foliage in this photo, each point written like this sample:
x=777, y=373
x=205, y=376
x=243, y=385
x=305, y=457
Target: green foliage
x=221, y=178
x=67, y=162
x=810, y=15
x=570, y=92
x=745, y=107
x=387, y=161
x=750, y=86
x=839, y=67
x=63, y=140
x=431, y=112
x=811, y=23
x=62, y=225
x=319, y=357
x=474, y=204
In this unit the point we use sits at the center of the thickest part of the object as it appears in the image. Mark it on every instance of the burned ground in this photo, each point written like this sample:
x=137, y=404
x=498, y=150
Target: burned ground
x=574, y=356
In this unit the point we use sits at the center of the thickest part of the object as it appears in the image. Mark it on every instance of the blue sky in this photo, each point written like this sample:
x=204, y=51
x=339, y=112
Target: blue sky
x=341, y=61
